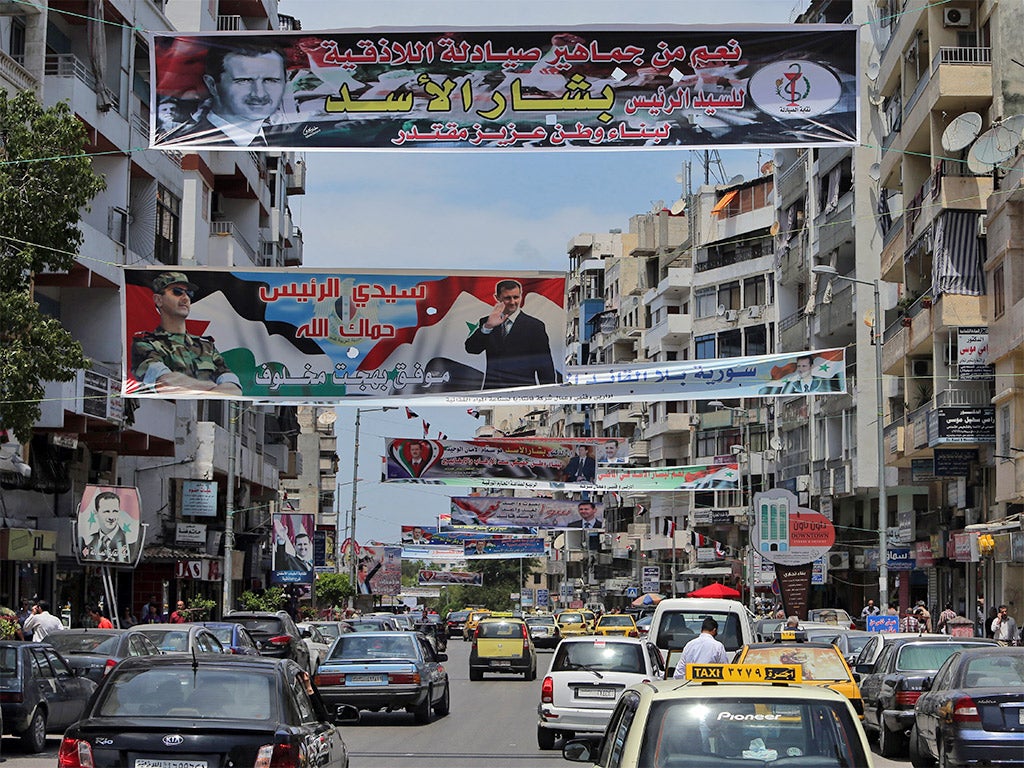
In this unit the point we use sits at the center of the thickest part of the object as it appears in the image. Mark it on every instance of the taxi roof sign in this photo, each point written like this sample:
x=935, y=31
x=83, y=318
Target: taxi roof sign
x=744, y=673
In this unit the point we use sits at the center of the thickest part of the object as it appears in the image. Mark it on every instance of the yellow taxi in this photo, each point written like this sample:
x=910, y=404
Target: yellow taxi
x=719, y=717
x=617, y=624
x=572, y=623
x=469, y=628
x=821, y=664
x=590, y=616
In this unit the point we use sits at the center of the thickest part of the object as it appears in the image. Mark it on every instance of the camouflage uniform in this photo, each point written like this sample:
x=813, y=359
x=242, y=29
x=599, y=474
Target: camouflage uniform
x=155, y=353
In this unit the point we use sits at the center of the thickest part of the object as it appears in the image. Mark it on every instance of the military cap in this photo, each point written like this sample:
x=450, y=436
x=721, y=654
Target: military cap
x=164, y=279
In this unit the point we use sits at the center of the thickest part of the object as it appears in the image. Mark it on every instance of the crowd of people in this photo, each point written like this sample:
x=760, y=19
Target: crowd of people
x=997, y=624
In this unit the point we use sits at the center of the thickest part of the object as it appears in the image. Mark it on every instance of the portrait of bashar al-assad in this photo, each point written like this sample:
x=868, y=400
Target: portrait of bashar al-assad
x=108, y=525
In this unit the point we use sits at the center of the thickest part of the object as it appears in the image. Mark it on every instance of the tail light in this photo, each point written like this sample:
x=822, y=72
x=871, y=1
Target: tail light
x=547, y=690
x=337, y=678
x=74, y=753
x=110, y=664
x=278, y=756
x=965, y=711
x=280, y=640
x=12, y=698
x=526, y=637
x=404, y=678
x=907, y=698
x=633, y=633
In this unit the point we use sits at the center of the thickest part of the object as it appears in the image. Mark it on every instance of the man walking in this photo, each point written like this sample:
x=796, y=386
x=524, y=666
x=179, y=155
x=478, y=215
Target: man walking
x=1004, y=628
x=705, y=648
x=41, y=623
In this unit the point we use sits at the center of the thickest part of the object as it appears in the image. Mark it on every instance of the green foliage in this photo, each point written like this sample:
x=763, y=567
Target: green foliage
x=45, y=180
x=272, y=599
x=199, y=609
x=332, y=589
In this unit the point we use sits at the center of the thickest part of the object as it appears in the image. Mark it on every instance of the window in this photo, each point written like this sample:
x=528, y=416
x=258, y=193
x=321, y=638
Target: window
x=730, y=344
x=754, y=292
x=168, y=225
x=707, y=302
x=998, y=292
x=704, y=347
x=729, y=295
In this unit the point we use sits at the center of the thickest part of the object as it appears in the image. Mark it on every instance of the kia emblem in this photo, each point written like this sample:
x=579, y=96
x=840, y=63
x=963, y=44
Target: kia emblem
x=173, y=740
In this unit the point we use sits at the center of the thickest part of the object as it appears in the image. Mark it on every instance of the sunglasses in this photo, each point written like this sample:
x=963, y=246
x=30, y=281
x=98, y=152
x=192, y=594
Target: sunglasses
x=182, y=292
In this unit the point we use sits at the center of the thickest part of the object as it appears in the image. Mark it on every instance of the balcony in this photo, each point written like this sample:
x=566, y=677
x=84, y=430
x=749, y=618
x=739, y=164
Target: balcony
x=837, y=317
x=70, y=79
x=295, y=180
x=793, y=331
x=14, y=77
x=673, y=287
x=894, y=246
x=228, y=245
x=293, y=252
x=672, y=422
x=671, y=331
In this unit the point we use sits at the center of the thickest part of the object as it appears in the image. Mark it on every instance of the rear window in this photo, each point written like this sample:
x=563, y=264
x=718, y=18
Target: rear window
x=67, y=642
x=329, y=631
x=604, y=657
x=499, y=629
x=615, y=621
x=677, y=628
x=687, y=733
x=174, y=640
x=222, y=633
x=163, y=692
x=995, y=671
x=570, y=618
x=540, y=621
x=926, y=657
x=458, y=616
x=8, y=663
x=355, y=646
x=262, y=626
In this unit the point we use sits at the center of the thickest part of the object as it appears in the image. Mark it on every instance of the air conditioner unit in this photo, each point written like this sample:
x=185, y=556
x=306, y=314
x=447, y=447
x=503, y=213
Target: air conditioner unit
x=956, y=17
x=840, y=561
x=983, y=225
x=754, y=311
x=694, y=419
x=731, y=315
x=921, y=369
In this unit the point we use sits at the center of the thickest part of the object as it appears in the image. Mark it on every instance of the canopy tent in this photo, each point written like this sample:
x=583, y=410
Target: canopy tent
x=649, y=599
x=715, y=589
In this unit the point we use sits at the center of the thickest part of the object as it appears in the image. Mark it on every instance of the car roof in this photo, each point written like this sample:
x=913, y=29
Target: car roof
x=829, y=646
x=499, y=619
x=671, y=689
x=602, y=639
x=94, y=631
x=203, y=660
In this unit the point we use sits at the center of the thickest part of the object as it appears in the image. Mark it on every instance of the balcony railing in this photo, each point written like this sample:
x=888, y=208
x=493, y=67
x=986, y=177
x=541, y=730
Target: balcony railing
x=69, y=65
x=227, y=229
x=12, y=70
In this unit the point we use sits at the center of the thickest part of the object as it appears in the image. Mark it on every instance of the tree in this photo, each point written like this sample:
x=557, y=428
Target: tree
x=45, y=180
x=332, y=589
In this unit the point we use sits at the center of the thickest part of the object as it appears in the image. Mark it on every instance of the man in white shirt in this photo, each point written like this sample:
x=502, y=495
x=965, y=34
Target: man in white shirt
x=41, y=623
x=705, y=648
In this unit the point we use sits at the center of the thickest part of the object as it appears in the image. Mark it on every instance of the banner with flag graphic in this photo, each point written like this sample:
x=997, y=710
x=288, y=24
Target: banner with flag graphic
x=286, y=335
x=700, y=477
x=515, y=511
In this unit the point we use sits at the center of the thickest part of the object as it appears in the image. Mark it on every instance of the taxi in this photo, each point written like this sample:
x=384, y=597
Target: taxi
x=590, y=617
x=469, y=628
x=616, y=624
x=729, y=715
x=821, y=664
x=571, y=623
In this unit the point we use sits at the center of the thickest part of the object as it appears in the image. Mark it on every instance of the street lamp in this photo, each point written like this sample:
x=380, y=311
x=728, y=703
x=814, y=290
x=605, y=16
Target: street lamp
x=883, y=501
x=719, y=405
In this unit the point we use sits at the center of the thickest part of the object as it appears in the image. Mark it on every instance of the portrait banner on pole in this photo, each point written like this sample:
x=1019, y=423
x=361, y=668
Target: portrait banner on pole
x=108, y=528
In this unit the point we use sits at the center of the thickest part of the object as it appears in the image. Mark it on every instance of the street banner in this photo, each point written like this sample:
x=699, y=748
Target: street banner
x=699, y=477
x=288, y=335
x=464, y=578
x=526, y=512
x=474, y=89
x=502, y=549
x=108, y=528
x=435, y=553
x=425, y=534
x=378, y=568
x=787, y=534
x=293, y=549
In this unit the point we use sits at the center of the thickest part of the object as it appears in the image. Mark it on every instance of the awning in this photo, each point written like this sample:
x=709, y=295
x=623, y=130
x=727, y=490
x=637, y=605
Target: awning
x=726, y=199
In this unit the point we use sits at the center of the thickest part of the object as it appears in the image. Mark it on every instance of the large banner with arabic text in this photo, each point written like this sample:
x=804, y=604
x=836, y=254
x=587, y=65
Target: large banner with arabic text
x=701, y=477
x=504, y=549
x=505, y=89
x=518, y=511
x=287, y=335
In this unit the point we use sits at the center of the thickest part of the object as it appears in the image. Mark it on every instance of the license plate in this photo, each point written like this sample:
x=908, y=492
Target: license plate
x=366, y=679
x=145, y=763
x=1020, y=716
x=595, y=693
x=501, y=663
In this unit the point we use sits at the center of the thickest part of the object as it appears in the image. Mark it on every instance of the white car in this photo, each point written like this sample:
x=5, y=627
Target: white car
x=318, y=645
x=587, y=675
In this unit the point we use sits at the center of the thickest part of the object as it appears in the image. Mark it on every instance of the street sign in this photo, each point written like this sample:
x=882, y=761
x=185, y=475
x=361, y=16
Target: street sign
x=882, y=623
x=633, y=592
x=542, y=597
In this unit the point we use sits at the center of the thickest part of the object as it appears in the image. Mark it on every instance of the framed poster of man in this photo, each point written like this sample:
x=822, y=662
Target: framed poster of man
x=109, y=530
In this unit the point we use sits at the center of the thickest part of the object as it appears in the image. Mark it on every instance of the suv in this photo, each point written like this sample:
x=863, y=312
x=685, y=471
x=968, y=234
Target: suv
x=275, y=634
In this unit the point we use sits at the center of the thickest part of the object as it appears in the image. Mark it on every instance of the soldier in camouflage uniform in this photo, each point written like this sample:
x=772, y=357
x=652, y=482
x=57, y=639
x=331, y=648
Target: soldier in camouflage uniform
x=169, y=358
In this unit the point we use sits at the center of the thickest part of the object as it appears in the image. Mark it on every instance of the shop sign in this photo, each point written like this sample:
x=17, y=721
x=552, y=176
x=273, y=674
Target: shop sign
x=197, y=570
x=711, y=517
x=1002, y=548
x=905, y=523
x=923, y=554
x=28, y=545
x=972, y=357
x=938, y=544
x=190, y=533
x=963, y=424
x=965, y=547
x=922, y=471
x=954, y=462
x=900, y=559
x=199, y=498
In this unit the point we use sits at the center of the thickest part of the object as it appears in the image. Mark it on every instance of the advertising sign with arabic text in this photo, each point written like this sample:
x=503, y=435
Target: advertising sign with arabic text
x=787, y=534
x=286, y=334
x=701, y=477
x=502, y=549
x=508, y=88
x=518, y=511
x=466, y=578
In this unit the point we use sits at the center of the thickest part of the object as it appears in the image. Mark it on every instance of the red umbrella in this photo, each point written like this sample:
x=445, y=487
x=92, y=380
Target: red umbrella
x=716, y=589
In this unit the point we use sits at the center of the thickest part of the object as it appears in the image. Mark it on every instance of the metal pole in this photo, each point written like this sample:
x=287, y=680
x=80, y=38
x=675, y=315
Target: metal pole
x=750, y=507
x=229, y=511
x=883, y=500
x=352, y=560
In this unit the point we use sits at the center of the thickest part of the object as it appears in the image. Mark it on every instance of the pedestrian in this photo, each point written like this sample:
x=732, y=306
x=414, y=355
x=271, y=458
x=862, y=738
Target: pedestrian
x=894, y=610
x=154, y=601
x=41, y=623
x=923, y=616
x=980, y=625
x=869, y=610
x=705, y=648
x=127, y=619
x=909, y=622
x=1004, y=628
x=178, y=616
x=101, y=621
x=947, y=615
x=153, y=615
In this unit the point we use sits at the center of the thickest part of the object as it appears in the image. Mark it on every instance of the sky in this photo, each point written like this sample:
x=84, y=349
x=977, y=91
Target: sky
x=493, y=211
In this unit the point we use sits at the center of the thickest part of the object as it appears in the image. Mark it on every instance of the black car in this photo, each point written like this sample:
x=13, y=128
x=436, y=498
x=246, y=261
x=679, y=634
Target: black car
x=454, y=622
x=891, y=686
x=93, y=653
x=214, y=710
x=39, y=692
x=275, y=634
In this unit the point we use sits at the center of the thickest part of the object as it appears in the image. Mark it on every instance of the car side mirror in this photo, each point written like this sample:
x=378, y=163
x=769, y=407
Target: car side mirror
x=926, y=684
x=345, y=714
x=442, y=657
x=581, y=750
x=304, y=633
x=864, y=669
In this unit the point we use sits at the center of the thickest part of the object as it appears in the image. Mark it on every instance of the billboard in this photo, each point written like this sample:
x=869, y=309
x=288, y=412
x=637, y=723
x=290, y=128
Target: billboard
x=502, y=549
x=108, y=529
x=285, y=335
x=525, y=512
x=507, y=89
x=464, y=578
x=293, y=549
x=787, y=534
x=701, y=477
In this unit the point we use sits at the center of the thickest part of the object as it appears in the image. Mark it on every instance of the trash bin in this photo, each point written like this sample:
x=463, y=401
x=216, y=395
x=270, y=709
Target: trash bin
x=960, y=626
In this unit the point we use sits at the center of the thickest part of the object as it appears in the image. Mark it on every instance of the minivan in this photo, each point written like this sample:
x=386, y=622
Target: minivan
x=677, y=620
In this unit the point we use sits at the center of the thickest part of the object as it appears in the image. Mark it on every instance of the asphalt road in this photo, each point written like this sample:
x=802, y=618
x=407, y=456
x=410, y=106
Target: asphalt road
x=493, y=724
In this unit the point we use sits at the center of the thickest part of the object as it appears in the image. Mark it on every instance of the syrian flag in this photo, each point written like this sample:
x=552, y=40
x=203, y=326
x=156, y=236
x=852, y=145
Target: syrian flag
x=668, y=527
x=719, y=550
x=640, y=509
x=441, y=435
x=410, y=414
x=426, y=428
x=473, y=412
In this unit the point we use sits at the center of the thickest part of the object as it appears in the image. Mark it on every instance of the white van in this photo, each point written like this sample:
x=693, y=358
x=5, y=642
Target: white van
x=677, y=620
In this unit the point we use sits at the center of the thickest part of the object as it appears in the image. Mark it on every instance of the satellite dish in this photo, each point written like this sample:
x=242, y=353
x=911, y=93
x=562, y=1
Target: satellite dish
x=773, y=230
x=775, y=443
x=678, y=207
x=873, y=70
x=961, y=131
x=988, y=151
x=875, y=171
x=737, y=179
x=658, y=206
x=327, y=417
x=1014, y=124
x=1008, y=133
x=721, y=309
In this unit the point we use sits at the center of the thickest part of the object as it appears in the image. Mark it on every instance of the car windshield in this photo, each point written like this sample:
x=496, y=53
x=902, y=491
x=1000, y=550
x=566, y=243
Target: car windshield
x=994, y=671
x=678, y=627
x=398, y=645
x=615, y=621
x=93, y=642
x=603, y=656
x=815, y=663
x=174, y=640
x=162, y=692
x=695, y=733
x=926, y=657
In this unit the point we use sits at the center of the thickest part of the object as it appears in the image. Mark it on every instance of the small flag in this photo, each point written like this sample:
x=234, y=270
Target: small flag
x=473, y=412
x=426, y=428
x=441, y=435
x=409, y=414
x=669, y=527
x=640, y=509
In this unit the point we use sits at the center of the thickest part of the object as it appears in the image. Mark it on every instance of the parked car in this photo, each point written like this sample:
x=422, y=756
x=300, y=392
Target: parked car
x=316, y=643
x=837, y=616
x=890, y=687
x=182, y=638
x=543, y=630
x=587, y=675
x=234, y=637
x=275, y=634
x=39, y=692
x=454, y=622
x=972, y=710
x=502, y=645
x=848, y=641
x=331, y=630
x=225, y=710
x=386, y=671
x=92, y=653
